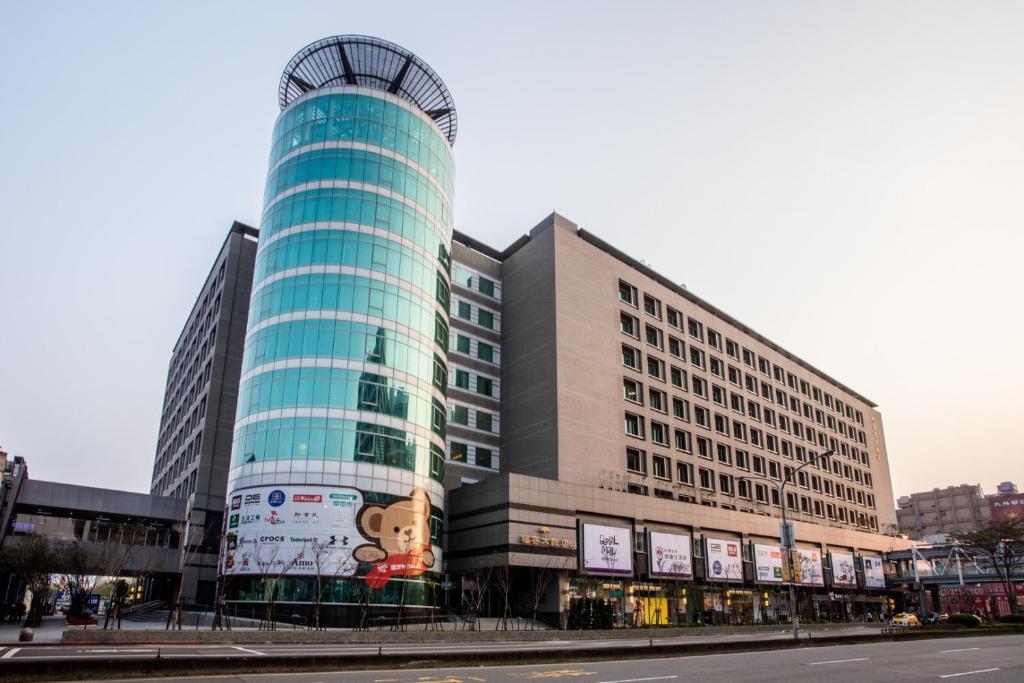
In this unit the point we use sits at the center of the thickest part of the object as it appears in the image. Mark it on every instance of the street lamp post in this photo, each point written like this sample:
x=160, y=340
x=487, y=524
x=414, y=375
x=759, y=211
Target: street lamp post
x=786, y=536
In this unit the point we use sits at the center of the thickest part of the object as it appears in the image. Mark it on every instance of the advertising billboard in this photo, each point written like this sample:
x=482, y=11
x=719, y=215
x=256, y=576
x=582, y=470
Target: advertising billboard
x=844, y=572
x=607, y=549
x=670, y=556
x=874, y=575
x=327, y=530
x=1006, y=506
x=808, y=569
x=768, y=563
x=724, y=560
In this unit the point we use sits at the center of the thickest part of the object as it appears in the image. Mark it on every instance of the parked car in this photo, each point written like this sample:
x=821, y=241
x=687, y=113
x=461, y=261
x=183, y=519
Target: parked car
x=935, y=618
x=905, y=619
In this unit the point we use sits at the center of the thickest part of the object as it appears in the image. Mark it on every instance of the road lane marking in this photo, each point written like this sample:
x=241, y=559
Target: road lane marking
x=839, y=661
x=115, y=651
x=9, y=653
x=253, y=652
x=962, y=649
x=634, y=680
x=968, y=673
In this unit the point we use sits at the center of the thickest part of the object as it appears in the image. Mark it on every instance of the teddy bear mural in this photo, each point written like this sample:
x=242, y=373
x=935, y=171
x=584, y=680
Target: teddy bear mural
x=400, y=535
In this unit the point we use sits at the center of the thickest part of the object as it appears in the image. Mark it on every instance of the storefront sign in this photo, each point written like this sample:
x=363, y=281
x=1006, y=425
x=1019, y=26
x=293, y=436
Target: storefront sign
x=724, y=560
x=1007, y=505
x=810, y=572
x=768, y=562
x=670, y=555
x=844, y=574
x=874, y=575
x=607, y=549
x=547, y=541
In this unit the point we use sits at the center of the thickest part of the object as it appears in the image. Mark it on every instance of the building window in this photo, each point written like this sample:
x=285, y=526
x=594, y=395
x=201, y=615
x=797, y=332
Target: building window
x=659, y=433
x=684, y=473
x=460, y=415
x=485, y=352
x=656, y=368
x=674, y=318
x=459, y=452
x=462, y=343
x=652, y=306
x=695, y=329
x=484, y=421
x=700, y=387
x=632, y=391
x=486, y=287
x=627, y=293
x=678, y=377
x=675, y=347
x=660, y=467
x=485, y=319
x=703, y=447
x=684, y=441
x=484, y=386
x=636, y=460
x=629, y=325
x=707, y=479
x=464, y=311
x=630, y=357
x=461, y=379
x=653, y=336
x=681, y=409
x=483, y=457
x=697, y=357
x=658, y=401
x=634, y=425
x=742, y=459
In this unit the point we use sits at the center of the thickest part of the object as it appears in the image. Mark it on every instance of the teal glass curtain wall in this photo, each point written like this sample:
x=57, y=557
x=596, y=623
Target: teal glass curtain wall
x=345, y=355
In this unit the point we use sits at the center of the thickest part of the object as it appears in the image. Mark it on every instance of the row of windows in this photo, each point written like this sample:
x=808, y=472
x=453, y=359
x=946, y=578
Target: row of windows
x=682, y=440
x=659, y=401
x=472, y=313
x=472, y=454
x=473, y=418
x=470, y=279
x=467, y=380
x=679, y=378
x=630, y=325
x=300, y=439
x=333, y=247
x=710, y=482
x=363, y=167
x=362, y=118
x=348, y=293
x=696, y=330
x=357, y=207
x=475, y=348
x=202, y=318
x=341, y=389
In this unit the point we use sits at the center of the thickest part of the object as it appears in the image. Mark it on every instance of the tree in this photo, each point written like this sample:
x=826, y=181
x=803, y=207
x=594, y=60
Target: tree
x=1001, y=543
x=474, y=587
x=503, y=582
x=31, y=561
x=540, y=579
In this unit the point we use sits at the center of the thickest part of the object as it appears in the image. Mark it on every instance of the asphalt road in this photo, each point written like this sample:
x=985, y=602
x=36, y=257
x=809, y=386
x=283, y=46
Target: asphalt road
x=988, y=658
x=85, y=652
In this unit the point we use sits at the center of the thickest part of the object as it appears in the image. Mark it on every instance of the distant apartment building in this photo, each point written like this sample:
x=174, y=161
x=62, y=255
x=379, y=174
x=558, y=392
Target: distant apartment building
x=197, y=420
x=932, y=515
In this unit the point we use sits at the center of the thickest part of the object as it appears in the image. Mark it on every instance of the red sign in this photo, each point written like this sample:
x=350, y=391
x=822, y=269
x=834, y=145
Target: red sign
x=307, y=498
x=1006, y=506
x=988, y=597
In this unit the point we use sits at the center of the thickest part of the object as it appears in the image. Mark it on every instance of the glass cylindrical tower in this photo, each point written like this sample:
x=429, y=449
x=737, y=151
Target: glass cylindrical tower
x=339, y=439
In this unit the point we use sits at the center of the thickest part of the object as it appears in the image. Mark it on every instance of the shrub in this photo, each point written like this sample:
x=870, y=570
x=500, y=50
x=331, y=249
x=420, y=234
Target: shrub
x=965, y=619
x=1011, y=619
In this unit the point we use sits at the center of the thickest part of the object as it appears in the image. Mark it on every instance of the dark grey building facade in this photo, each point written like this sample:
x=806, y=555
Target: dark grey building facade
x=193, y=450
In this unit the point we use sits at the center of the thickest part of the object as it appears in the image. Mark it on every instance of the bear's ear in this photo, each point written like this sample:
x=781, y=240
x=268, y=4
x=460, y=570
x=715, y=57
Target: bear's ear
x=371, y=521
x=422, y=500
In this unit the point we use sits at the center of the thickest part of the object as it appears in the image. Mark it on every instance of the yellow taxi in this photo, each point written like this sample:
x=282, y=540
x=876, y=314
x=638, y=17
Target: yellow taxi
x=905, y=619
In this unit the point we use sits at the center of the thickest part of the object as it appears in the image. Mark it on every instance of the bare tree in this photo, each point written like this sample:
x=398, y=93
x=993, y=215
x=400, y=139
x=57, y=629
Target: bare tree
x=324, y=557
x=1000, y=542
x=474, y=587
x=540, y=580
x=31, y=560
x=503, y=583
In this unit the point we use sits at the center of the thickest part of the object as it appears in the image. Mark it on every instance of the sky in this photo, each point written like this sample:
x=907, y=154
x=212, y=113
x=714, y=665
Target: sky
x=843, y=177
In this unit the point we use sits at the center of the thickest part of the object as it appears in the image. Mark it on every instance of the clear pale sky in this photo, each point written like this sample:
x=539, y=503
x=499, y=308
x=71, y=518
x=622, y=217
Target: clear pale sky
x=844, y=177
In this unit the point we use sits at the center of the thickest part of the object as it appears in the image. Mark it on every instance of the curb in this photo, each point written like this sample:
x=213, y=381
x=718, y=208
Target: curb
x=30, y=670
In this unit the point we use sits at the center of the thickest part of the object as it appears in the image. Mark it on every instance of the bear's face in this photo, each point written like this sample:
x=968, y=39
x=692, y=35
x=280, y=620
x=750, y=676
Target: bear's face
x=401, y=527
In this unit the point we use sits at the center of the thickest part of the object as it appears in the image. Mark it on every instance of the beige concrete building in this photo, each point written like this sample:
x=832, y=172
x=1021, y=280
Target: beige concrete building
x=637, y=416
x=930, y=515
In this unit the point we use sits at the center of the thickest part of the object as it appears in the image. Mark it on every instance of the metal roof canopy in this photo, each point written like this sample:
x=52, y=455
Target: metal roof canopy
x=372, y=63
